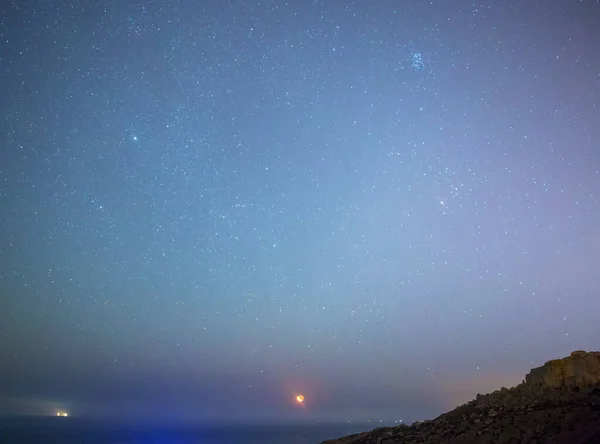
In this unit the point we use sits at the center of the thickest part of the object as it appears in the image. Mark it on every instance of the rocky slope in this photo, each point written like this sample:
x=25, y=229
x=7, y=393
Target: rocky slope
x=556, y=403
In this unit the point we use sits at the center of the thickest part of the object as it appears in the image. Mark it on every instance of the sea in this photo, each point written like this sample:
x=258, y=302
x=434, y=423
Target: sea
x=27, y=430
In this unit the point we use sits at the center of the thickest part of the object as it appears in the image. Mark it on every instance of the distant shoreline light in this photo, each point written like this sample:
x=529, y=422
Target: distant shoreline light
x=62, y=414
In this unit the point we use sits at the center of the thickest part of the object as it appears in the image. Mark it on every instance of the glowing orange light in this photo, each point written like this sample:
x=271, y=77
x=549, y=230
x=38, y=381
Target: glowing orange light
x=300, y=399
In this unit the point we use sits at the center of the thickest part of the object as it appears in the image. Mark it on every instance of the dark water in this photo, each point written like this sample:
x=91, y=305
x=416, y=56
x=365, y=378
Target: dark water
x=77, y=431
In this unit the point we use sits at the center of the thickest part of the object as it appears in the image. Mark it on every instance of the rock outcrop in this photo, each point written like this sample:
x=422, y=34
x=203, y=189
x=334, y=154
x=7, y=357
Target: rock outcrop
x=581, y=369
x=557, y=403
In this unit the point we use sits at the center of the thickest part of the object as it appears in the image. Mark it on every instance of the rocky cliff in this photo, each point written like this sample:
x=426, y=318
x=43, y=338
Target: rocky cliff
x=558, y=402
x=581, y=369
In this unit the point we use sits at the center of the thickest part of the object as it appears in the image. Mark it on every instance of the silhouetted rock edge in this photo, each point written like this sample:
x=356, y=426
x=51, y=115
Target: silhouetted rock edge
x=558, y=402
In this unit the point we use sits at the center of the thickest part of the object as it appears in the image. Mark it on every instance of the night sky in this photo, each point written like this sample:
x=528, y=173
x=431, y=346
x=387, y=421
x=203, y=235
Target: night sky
x=210, y=207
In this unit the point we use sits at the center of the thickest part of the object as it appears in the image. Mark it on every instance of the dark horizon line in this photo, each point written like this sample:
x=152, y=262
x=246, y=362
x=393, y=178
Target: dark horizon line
x=196, y=421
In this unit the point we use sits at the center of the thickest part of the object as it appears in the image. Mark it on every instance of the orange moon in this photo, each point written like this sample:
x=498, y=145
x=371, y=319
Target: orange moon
x=300, y=399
